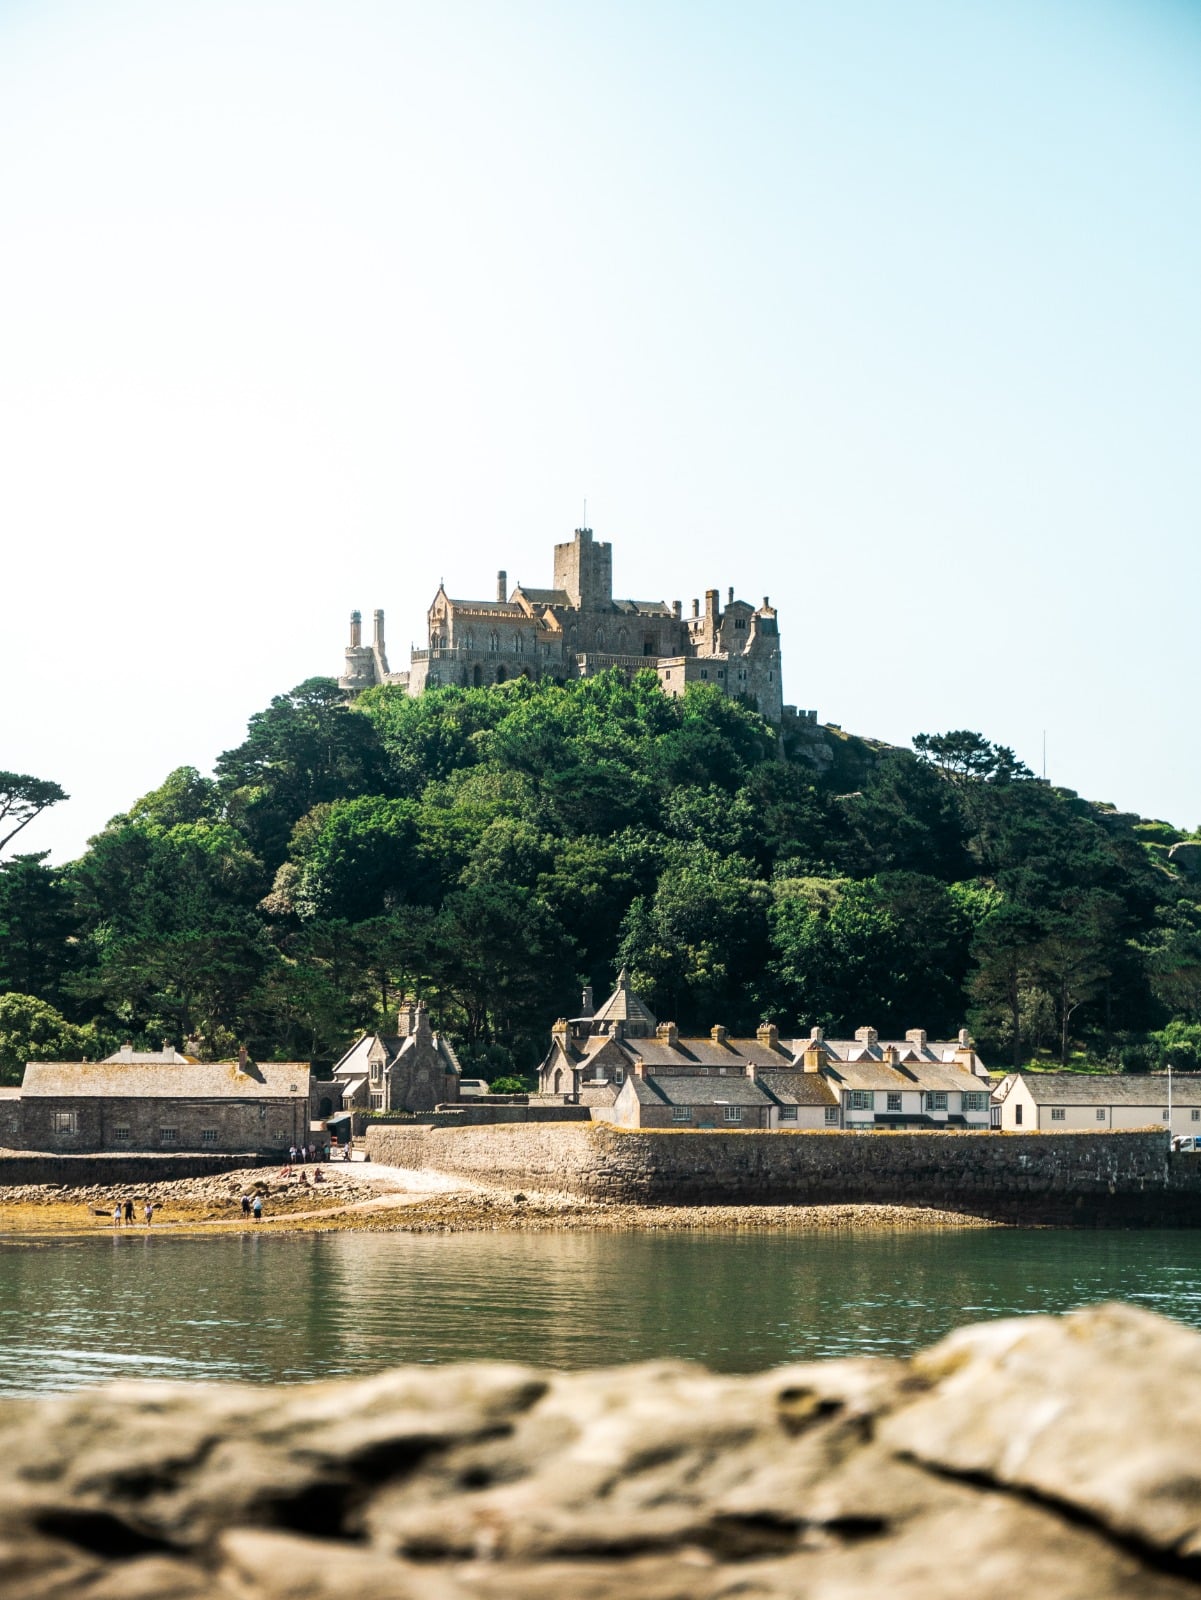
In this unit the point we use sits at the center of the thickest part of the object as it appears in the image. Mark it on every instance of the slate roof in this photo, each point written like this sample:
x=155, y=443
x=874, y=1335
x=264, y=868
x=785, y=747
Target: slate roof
x=704, y=1052
x=355, y=1059
x=502, y=608
x=799, y=1088
x=923, y=1075
x=680, y=1090
x=129, y=1057
x=545, y=597
x=840, y=1050
x=210, y=1080
x=642, y=608
x=1112, y=1089
x=623, y=1005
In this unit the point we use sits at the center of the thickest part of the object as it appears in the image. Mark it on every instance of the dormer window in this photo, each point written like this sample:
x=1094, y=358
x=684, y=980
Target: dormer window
x=740, y=622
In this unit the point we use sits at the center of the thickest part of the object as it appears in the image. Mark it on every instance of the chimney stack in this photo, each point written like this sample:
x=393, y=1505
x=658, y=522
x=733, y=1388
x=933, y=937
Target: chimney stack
x=667, y=1033
x=502, y=586
x=730, y=595
x=356, y=630
x=696, y=608
x=243, y=1058
x=379, y=630
x=587, y=1006
x=917, y=1036
x=768, y=1035
x=677, y=609
x=717, y=1033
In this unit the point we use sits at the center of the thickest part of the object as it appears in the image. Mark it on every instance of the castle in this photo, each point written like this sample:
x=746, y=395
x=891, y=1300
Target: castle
x=577, y=629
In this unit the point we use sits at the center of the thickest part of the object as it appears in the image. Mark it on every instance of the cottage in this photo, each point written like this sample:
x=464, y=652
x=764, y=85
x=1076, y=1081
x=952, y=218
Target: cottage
x=75, y=1106
x=1077, y=1102
x=913, y=1082
x=413, y=1069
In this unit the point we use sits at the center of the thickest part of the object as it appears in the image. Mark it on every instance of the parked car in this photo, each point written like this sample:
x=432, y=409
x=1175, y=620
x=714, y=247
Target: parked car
x=472, y=1088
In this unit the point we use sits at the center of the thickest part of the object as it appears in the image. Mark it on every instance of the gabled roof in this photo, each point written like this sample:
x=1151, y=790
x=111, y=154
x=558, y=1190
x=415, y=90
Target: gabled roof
x=642, y=608
x=544, y=597
x=680, y=1090
x=923, y=1075
x=799, y=1088
x=209, y=1080
x=623, y=1005
x=1116, y=1089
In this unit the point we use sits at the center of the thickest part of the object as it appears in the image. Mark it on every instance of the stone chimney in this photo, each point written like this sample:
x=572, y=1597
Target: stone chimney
x=730, y=595
x=559, y=1033
x=587, y=1005
x=379, y=631
x=867, y=1036
x=696, y=608
x=817, y=1035
x=421, y=1021
x=406, y=1019
x=243, y=1058
x=892, y=1056
x=502, y=587
x=768, y=1035
x=814, y=1058
x=667, y=1033
x=917, y=1036
x=677, y=609
x=356, y=630
x=717, y=1033
x=965, y=1039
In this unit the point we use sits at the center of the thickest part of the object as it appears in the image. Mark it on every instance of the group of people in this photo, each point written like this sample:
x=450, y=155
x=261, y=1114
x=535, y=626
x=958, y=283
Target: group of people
x=123, y=1215
x=253, y=1207
x=307, y=1152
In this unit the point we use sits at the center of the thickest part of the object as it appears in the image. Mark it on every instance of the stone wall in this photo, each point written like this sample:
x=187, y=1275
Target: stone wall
x=115, y=1123
x=1086, y=1179
x=84, y=1171
x=1040, y=1456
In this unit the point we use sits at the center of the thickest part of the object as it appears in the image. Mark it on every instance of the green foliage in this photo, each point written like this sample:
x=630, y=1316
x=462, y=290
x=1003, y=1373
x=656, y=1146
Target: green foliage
x=492, y=849
x=22, y=798
x=513, y=1084
x=31, y=1030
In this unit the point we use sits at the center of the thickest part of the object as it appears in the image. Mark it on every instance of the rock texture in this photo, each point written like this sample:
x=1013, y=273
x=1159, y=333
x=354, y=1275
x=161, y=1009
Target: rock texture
x=1054, y=1458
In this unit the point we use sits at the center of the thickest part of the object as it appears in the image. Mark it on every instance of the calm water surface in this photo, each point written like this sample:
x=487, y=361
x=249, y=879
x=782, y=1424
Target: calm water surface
x=282, y=1309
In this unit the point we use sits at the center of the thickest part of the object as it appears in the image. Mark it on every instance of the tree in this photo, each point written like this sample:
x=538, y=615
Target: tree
x=22, y=798
x=32, y=1030
x=38, y=924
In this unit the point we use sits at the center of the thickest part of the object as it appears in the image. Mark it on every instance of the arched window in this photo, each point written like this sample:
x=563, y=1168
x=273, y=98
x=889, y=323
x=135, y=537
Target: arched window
x=501, y=674
x=494, y=641
x=600, y=638
x=519, y=644
x=469, y=640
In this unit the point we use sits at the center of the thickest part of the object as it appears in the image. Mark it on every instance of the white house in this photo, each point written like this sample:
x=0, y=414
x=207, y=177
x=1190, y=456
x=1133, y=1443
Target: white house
x=1078, y=1102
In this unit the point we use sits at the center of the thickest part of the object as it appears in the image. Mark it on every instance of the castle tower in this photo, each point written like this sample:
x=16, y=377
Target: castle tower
x=584, y=570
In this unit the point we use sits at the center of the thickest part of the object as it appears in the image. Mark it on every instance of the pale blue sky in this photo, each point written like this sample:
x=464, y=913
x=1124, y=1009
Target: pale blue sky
x=887, y=310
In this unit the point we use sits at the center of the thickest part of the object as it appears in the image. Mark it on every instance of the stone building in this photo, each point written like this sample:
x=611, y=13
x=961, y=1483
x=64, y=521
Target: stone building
x=76, y=1106
x=413, y=1069
x=640, y=1073
x=577, y=628
x=1100, y=1102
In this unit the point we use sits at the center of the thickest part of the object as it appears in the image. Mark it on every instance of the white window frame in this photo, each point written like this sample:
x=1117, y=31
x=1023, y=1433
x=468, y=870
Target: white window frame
x=1059, y=1114
x=936, y=1100
x=681, y=1113
x=169, y=1135
x=831, y=1116
x=894, y=1094
x=862, y=1100
x=788, y=1114
x=65, y=1121
x=731, y=1113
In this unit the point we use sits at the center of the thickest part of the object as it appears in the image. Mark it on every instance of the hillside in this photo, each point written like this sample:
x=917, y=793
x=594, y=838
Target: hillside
x=492, y=849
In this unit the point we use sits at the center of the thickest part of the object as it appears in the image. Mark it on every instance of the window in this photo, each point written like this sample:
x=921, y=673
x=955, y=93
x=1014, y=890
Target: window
x=974, y=1101
x=832, y=1114
x=936, y=1102
x=619, y=1074
x=1197, y=1116
x=1058, y=1114
x=376, y=1071
x=65, y=1122
x=787, y=1113
x=377, y=1100
x=740, y=622
x=894, y=1102
x=1017, y=1115
x=1101, y=1114
x=861, y=1100
x=704, y=672
x=121, y=1133
x=681, y=1114
x=208, y=1135
x=732, y=1113
x=1165, y=1116
x=168, y=1136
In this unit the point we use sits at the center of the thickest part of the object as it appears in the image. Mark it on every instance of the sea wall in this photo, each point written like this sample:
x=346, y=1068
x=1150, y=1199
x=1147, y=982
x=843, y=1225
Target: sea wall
x=1086, y=1179
x=84, y=1171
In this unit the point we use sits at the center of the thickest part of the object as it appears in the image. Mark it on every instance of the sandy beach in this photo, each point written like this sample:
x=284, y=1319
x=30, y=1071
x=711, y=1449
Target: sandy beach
x=363, y=1197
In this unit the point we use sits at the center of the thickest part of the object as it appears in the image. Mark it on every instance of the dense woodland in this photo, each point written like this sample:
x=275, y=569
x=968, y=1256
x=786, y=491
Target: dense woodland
x=493, y=849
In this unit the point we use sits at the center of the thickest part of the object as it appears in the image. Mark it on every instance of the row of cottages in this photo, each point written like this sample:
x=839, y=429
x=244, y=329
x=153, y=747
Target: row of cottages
x=128, y=1103
x=639, y=1073
x=1078, y=1102
x=413, y=1069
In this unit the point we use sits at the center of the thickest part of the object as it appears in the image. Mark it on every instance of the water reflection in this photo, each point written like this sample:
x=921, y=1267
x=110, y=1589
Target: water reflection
x=280, y=1308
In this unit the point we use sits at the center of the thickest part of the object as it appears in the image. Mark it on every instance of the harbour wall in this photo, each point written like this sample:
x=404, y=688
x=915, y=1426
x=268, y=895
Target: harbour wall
x=1062, y=1179
x=82, y=1171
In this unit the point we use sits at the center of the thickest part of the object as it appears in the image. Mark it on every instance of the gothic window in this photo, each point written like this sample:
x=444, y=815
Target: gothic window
x=494, y=640
x=519, y=644
x=469, y=640
x=600, y=638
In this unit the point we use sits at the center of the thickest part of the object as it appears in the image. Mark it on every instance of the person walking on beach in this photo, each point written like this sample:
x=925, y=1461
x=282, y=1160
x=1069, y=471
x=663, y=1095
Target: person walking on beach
x=245, y=1205
x=129, y=1213
x=149, y=1212
x=117, y=1215
x=257, y=1208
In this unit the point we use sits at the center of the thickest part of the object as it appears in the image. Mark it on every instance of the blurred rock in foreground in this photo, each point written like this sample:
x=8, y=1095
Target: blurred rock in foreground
x=1040, y=1458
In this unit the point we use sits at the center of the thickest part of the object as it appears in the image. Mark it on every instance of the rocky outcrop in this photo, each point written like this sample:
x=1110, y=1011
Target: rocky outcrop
x=1187, y=856
x=1046, y=1457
